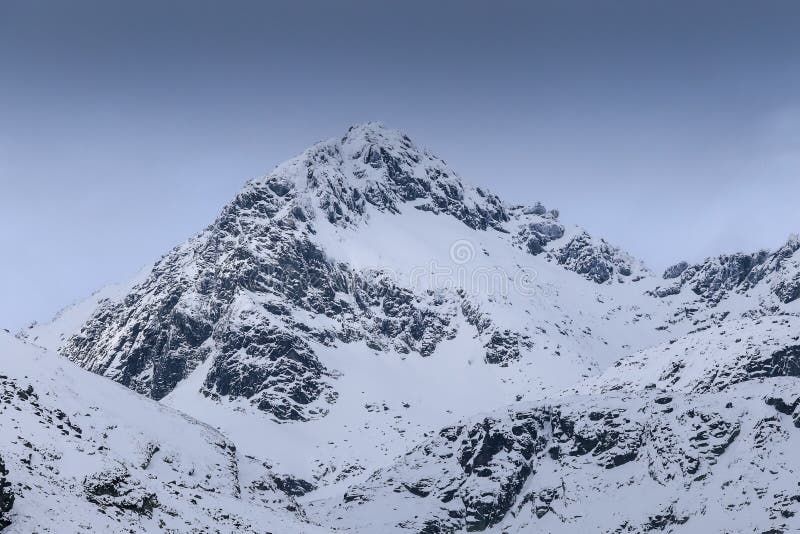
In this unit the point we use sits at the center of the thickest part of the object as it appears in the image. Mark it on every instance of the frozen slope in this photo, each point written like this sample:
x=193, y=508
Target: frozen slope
x=645, y=461
x=695, y=435
x=85, y=454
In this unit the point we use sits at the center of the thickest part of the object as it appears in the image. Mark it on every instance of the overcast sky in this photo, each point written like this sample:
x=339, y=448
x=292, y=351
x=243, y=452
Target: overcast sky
x=670, y=128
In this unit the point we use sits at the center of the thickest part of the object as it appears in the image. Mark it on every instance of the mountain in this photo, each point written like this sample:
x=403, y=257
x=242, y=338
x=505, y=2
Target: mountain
x=289, y=265
x=393, y=349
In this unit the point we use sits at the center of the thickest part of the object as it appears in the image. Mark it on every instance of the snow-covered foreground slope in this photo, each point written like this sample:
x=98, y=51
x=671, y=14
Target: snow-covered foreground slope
x=648, y=461
x=347, y=315
x=698, y=435
x=85, y=454
x=90, y=455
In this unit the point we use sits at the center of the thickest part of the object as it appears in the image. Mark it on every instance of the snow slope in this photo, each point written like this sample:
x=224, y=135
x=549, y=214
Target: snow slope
x=85, y=454
x=636, y=462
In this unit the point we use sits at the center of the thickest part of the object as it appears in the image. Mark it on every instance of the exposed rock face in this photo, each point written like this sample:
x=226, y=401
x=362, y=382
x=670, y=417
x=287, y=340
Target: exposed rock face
x=787, y=405
x=548, y=467
x=782, y=270
x=6, y=496
x=539, y=227
x=692, y=424
x=502, y=346
x=718, y=277
x=374, y=166
x=595, y=259
x=115, y=489
x=237, y=307
x=296, y=487
x=537, y=235
x=231, y=293
x=714, y=278
x=675, y=270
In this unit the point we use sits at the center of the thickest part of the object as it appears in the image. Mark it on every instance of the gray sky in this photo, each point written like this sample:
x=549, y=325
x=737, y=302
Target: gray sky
x=670, y=128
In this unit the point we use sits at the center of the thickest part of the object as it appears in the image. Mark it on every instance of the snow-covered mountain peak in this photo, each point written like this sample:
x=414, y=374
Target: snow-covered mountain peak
x=372, y=170
x=360, y=239
x=374, y=167
x=375, y=133
x=361, y=152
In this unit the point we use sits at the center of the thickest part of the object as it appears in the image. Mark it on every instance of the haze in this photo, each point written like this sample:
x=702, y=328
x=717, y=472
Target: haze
x=670, y=128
